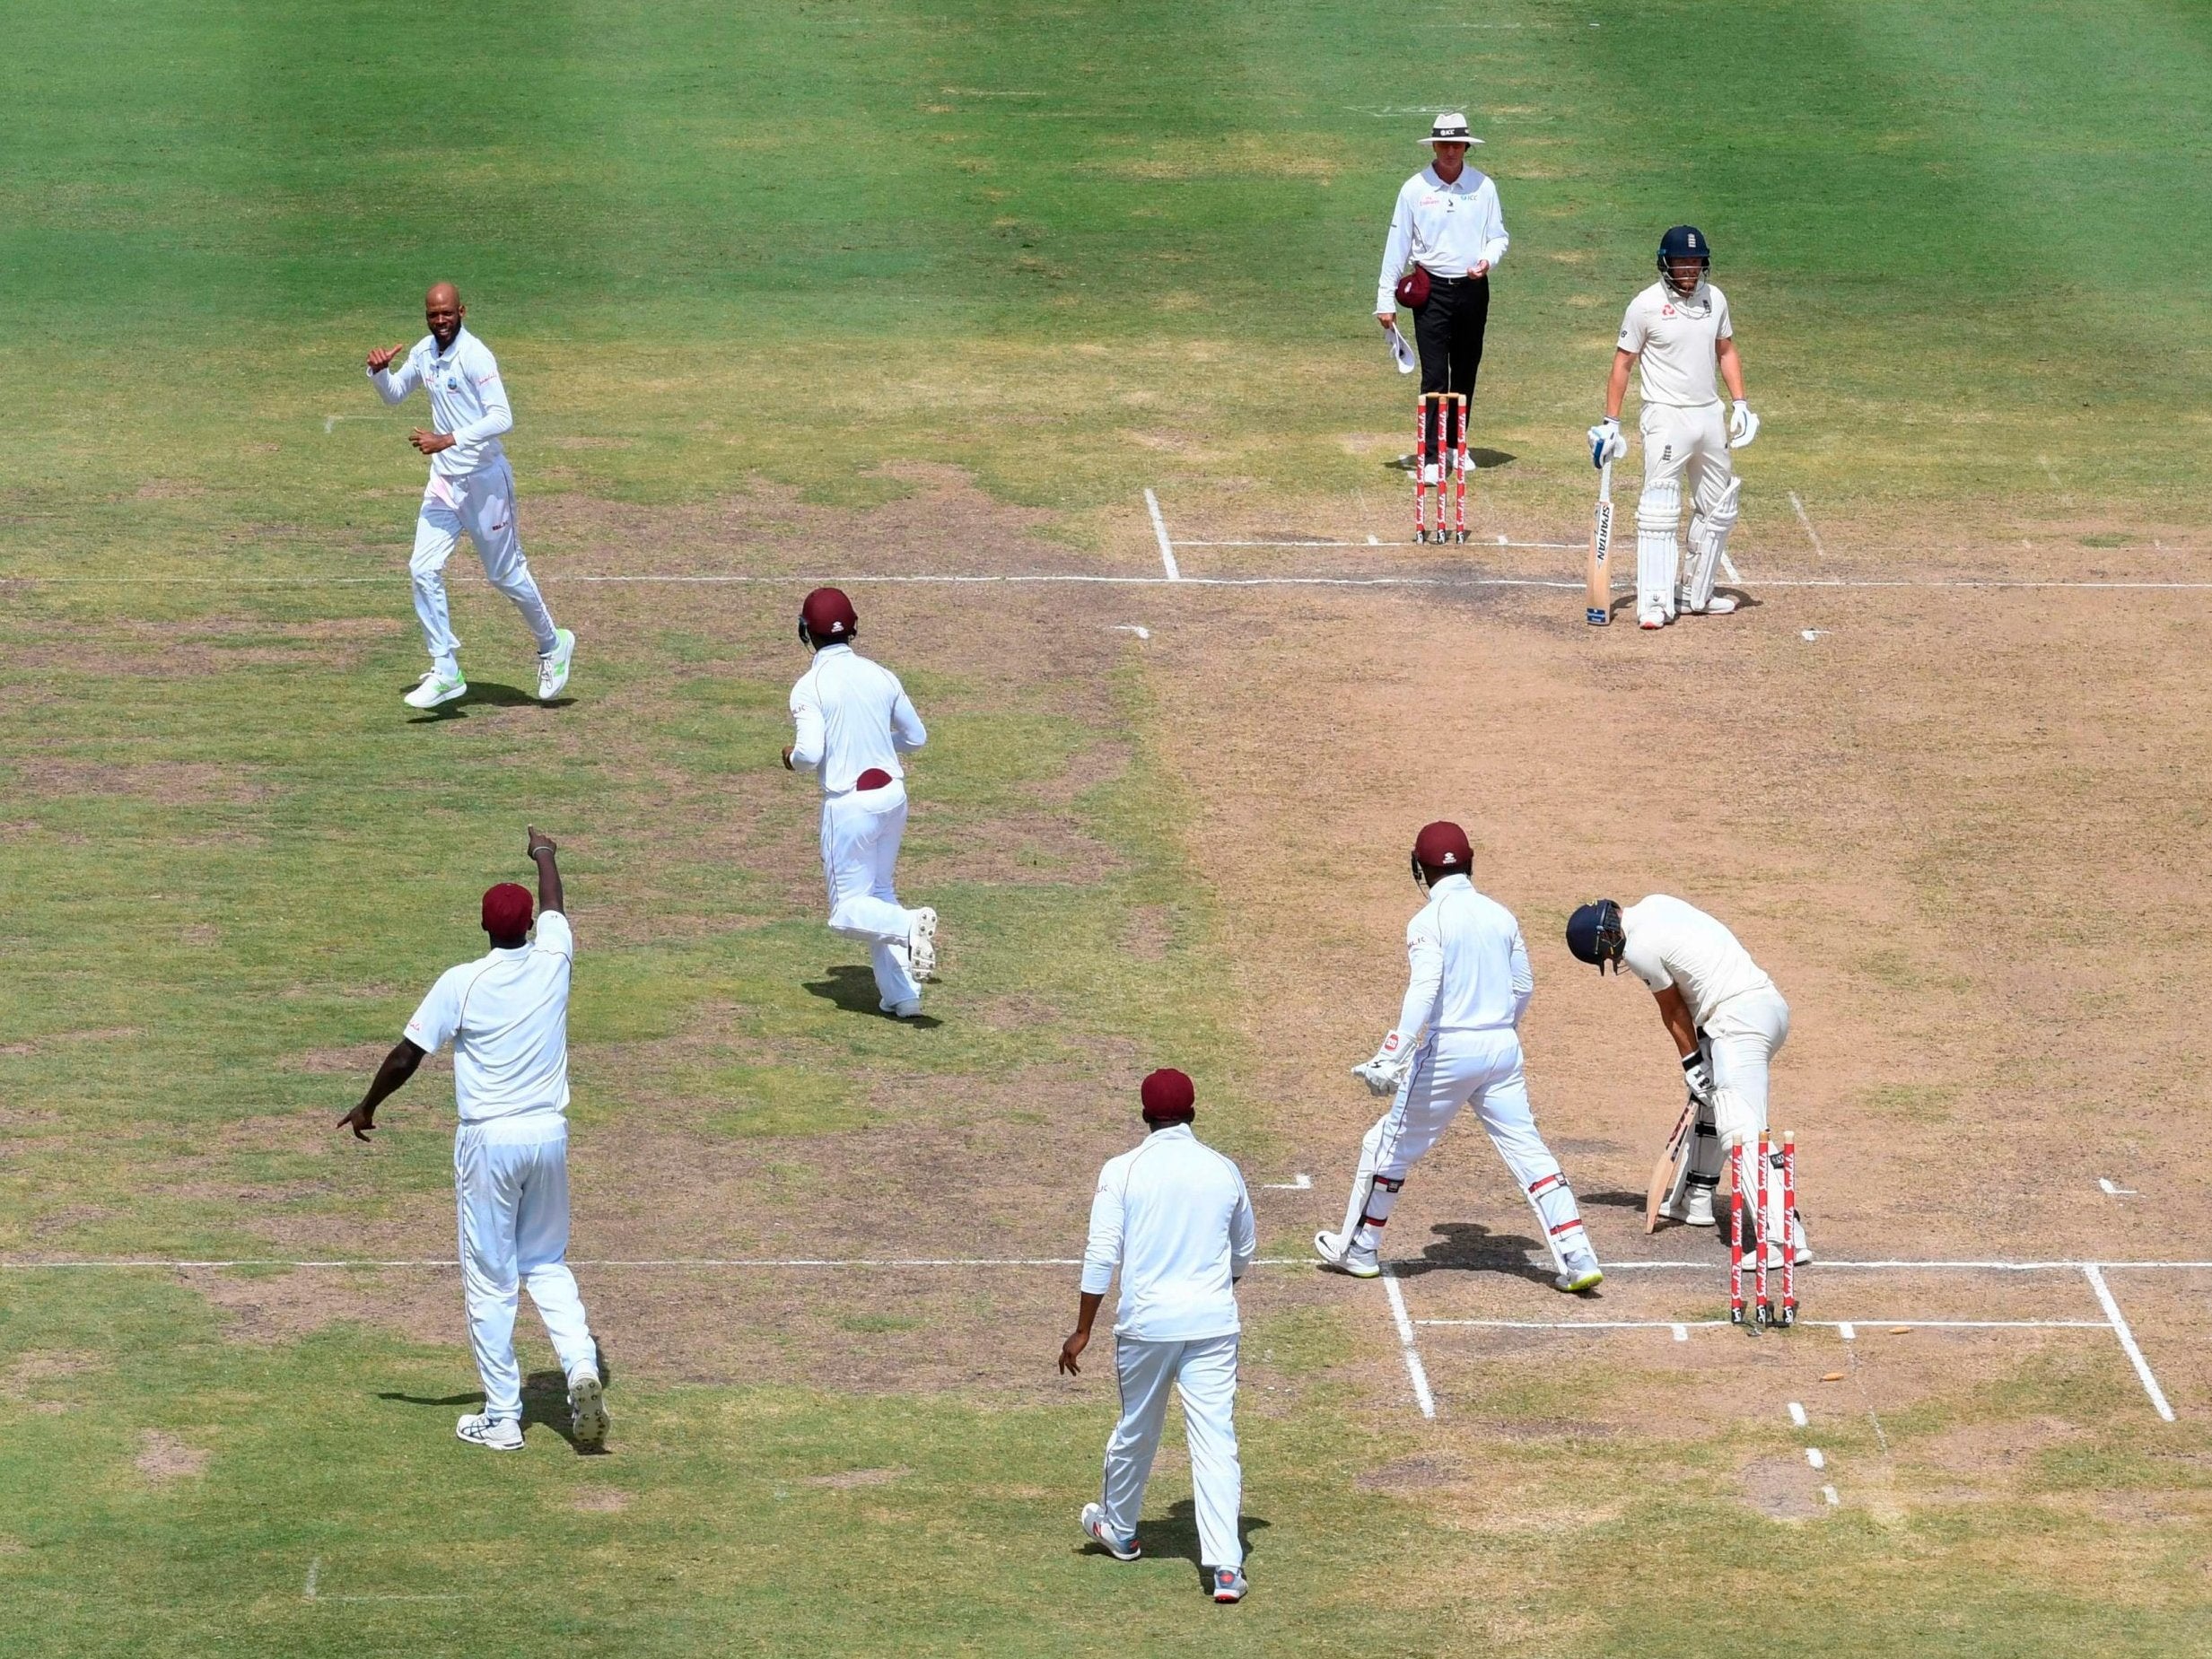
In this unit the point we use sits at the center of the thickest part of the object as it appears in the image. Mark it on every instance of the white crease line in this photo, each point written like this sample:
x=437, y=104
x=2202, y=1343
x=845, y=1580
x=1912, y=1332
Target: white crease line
x=2127, y=1340
x=314, y=1569
x=178, y=1263
x=1407, y=1346
x=2115, y=1192
x=1304, y=1183
x=1545, y=546
x=1811, y=534
x=1159, y=529
x=1847, y=1329
x=1682, y=1331
x=1678, y=1325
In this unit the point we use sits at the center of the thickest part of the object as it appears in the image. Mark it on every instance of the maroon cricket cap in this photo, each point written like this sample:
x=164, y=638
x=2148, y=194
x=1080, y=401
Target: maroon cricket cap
x=1443, y=845
x=827, y=616
x=1169, y=1097
x=506, y=909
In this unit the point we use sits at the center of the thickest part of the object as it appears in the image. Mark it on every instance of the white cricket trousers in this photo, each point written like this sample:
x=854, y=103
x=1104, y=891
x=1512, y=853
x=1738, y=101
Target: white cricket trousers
x=1689, y=447
x=481, y=504
x=1204, y=1372
x=511, y=1177
x=1743, y=1035
x=860, y=833
x=1451, y=1068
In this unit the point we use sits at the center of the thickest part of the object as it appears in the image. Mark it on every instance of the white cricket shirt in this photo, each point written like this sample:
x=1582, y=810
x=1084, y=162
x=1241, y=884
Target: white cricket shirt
x=851, y=714
x=507, y=1015
x=1470, y=970
x=466, y=399
x=1676, y=340
x=1673, y=943
x=1173, y=1217
x=1446, y=228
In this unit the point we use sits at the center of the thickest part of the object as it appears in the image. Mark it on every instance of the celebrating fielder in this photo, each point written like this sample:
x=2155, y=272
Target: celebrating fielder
x=854, y=719
x=507, y=1016
x=471, y=488
x=1173, y=1220
x=1456, y=1044
x=1678, y=331
x=1726, y=1019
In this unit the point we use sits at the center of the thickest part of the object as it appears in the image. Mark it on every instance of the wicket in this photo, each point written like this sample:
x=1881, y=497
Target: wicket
x=1449, y=410
x=1777, y=1178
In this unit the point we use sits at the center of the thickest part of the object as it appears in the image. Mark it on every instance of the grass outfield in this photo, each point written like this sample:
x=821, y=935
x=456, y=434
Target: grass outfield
x=910, y=291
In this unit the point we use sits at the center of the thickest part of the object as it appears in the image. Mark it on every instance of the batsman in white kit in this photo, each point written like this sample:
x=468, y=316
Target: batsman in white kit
x=1678, y=332
x=854, y=720
x=1173, y=1221
x=471, y=489
x=506, y=1015
x=1456, y=1043
x=1727, y=1022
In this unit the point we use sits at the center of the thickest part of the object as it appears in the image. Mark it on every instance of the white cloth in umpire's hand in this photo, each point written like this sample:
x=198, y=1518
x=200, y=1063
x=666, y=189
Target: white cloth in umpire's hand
x=1743, y=425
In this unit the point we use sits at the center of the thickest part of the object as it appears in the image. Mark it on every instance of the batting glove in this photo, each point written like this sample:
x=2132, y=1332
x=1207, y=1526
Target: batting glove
x=1606, y=443
x=1700, y=1080
x=1743, y=425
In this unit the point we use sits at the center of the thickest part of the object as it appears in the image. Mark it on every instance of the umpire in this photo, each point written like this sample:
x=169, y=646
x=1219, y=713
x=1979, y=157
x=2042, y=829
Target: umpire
x=1447, y=235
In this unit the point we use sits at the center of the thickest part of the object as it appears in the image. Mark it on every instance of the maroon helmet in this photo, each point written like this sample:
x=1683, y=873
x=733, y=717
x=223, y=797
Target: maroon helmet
x=827, y=618
x=1441, y=849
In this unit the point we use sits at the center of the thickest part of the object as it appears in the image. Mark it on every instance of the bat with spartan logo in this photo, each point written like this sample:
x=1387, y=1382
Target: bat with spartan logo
x=1600, y=611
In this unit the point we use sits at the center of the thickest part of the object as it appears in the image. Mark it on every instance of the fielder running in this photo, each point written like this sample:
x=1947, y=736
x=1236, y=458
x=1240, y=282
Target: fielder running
x=507, y=1016
x=1173, y=1218
x=1728, y=1021
x=471, y=489
x=854, y=722
x=1677, y=331
x=1456, y=1044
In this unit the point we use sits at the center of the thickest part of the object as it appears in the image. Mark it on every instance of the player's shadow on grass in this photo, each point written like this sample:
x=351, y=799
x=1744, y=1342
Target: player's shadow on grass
x=1484, y=461
x=545, y=1400
x=854, y=990
x=1174, y=1536
x=1615, y=1198
x=1468, y=1246
x=492, y=694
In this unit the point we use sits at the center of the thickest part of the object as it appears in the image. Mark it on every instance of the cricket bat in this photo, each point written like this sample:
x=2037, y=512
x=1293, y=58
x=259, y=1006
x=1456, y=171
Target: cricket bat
x=1600, y=611
x=1663, y=1172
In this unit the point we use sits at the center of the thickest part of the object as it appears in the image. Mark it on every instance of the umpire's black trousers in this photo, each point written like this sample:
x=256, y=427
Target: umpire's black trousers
x=1448, y=331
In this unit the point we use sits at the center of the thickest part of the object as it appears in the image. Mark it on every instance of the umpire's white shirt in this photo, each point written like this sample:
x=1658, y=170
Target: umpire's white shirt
x=1667, y=941
x=1173, y=1217
x=1470, y=970
x=506, y=1013
x=1446, y=228
x=466, y=399
x=853, y=715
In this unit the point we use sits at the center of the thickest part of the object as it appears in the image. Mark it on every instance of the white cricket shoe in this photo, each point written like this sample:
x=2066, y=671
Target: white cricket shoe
x=911, y=1009
x=495, y=1434
x=1229, y=1585
x=587, y=1410
x=433, y=688
x=1342, y=1254
x=1579, y=1279
x=553, y=666
x=922, y=945
x=1696, y=1208
x=1719, y=605
x=1650, y=620
x=1095, y=1527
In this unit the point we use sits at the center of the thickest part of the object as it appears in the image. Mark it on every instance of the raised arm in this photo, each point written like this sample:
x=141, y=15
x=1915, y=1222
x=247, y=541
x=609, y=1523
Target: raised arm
x=542, y=851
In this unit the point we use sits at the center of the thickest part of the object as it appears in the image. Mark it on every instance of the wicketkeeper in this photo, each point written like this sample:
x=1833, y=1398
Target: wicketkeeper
x=1678, y=332
x=1456, y=1044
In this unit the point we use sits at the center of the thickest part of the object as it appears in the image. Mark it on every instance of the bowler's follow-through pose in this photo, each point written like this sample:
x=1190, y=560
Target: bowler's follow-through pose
x=471, y=489
x=854, y=720
x=1456, y=1044
x=1678, y=331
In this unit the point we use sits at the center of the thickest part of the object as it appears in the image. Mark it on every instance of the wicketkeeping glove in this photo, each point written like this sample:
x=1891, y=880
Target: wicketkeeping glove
x=1385, y=1072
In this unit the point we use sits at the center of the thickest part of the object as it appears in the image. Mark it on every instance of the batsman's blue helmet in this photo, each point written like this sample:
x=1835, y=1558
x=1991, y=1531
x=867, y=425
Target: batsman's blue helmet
x=1593, y=934
x=1683, y=241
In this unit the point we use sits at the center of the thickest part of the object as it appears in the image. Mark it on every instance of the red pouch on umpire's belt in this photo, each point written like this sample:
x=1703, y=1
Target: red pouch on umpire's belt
x=1413, y=289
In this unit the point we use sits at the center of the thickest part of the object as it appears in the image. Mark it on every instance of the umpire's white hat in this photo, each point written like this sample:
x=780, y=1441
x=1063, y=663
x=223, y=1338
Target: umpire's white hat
x=1451, y=130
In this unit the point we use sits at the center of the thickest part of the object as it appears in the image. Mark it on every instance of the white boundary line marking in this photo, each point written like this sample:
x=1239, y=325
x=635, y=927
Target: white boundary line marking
x=1159, y=529
x=1811, y=534
x=1407, y=1346
x=2066, y=1265
x=1084, y=579
x=2127, y=1340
